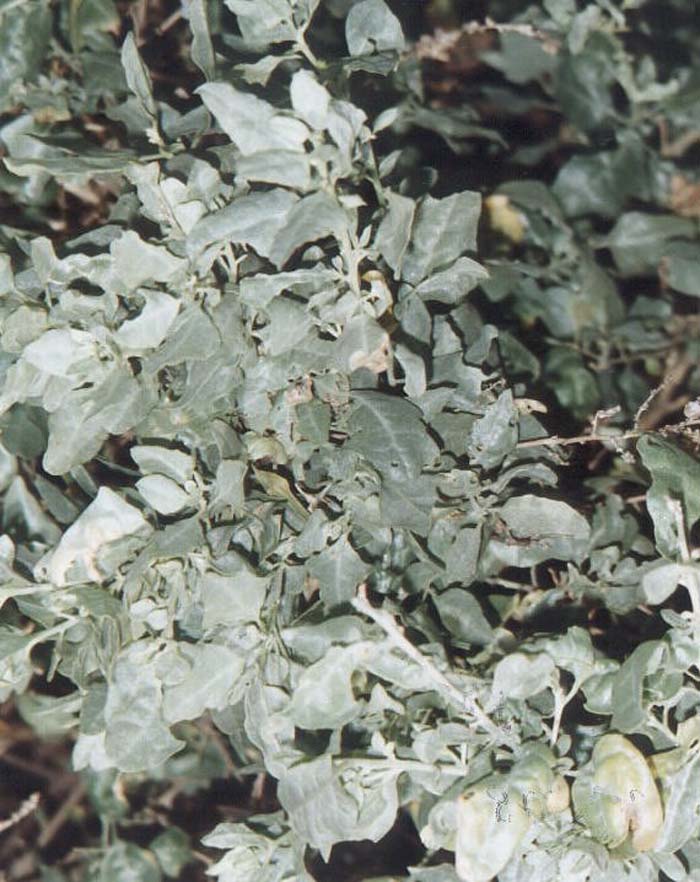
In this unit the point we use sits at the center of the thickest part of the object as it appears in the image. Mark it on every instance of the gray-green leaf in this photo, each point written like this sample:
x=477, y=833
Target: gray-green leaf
x=372, y=27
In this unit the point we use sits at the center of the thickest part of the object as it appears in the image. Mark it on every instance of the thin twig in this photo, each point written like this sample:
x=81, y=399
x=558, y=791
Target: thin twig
x=673, y=149
x=395, y=633
x=440, y=45
x=169, y=22
x=205, y=859
x=644, y=406
x=594, y=438
x=591, y=438
x=28, y=806
x=549, y=43
x=76, y=795
x=661, y=395
x=561, y=700
x=17, y=762
x=510, y=583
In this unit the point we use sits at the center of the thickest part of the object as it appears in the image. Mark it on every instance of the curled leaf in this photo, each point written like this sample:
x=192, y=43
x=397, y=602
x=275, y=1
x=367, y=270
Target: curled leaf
x=558, y=798
x=616, y=796
x=491, y=823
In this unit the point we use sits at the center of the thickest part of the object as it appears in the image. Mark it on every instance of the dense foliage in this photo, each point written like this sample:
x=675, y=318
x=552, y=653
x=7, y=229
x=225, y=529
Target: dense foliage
x=349, y=373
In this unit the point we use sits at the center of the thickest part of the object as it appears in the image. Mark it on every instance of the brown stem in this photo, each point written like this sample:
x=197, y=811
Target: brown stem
x=61, y=816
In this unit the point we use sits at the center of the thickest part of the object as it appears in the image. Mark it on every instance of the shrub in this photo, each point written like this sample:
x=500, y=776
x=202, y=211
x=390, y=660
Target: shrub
x=293, y=471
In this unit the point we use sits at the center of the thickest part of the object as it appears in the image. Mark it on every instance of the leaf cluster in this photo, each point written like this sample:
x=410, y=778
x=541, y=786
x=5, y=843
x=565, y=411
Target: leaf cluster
x=284, y=490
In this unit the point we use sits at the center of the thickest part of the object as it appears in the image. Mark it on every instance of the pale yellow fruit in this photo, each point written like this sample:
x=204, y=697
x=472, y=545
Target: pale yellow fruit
x=504, y=218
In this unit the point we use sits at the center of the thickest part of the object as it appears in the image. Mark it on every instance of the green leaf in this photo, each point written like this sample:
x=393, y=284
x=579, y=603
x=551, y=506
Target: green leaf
x=661, y=580
x=212, y=673
x=323, y=696
x=25, y=31
x=234, y=598
x=443, y=230
x=261, y=845
x=522, y=58
x=265, y=22
x=364, y=344
x=49, y=716
x=313, y=217
x=258, y=290
x=457, y=546
x=163, y=494
x=520, y=675
x=574, y=385
x=680, y=267
x=150, y=327
x=462, y=616
x=22, y=511
x=329, y=803
x=601, y=183
x=229, y=491
x=251, y=123
x=639, y=241
x=584, y=82
x=394, y=232
x=192, y=337
x=88, y=19
x=94, y=546
x=172, y=850
x=372, y=27
x=310, y=99
x=453, y=284
x=629, y=706
x=137, y=738
x=126, y=862
x=681, y=797
x=74, y=438
x=58, y=504
x=72, y=166
x=15, y=662
x=675, y=478
x=253, y=220
x=495, y=435
x=202, y=49
x=408, y=503
x=338, y=572
x=137, y=75
x=285, y=168
x=152, y=459
x=135, y=262
x=313, y=421
x=573, y=652
x=413, y=366
x=388, y=432
x=539, y=529
x=616, y=794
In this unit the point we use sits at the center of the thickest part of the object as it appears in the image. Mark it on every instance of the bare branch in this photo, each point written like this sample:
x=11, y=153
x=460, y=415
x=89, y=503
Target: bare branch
x=28, y=806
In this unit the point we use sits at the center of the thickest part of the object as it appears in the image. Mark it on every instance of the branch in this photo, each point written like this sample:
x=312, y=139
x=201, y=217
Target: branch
x=447, y=689
x=440, y=45
x=74, y=798
x=590, y=438
x=596, y=438
x=549, y=43
x=28, y=806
